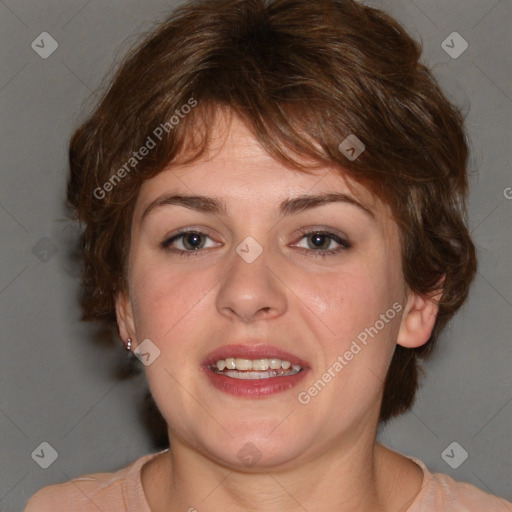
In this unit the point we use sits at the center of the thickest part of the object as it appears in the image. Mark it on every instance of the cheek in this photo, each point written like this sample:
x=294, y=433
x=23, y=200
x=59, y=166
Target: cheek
x=356, y=313
x=166, y=299
x=352, y=297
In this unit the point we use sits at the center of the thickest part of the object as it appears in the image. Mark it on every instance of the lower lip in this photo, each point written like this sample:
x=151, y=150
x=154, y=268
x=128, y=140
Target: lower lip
x=254, y=388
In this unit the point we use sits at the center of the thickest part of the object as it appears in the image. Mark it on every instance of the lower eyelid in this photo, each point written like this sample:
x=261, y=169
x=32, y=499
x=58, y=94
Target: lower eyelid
x=343, y=244
x=167, y=243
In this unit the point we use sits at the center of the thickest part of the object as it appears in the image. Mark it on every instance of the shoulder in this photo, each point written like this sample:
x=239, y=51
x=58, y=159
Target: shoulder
x=93, y=492
x=462, y=496
x=85, y=493
x=442, y=493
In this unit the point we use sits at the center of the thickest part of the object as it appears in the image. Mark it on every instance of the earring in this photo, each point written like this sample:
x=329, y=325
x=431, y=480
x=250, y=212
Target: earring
x=128, y=344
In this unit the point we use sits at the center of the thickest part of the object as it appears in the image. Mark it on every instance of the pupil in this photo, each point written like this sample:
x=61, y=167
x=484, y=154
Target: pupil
x=318, y=237
x=192, y=236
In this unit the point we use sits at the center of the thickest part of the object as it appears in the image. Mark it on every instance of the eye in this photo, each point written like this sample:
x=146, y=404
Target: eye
x=192, y=242
x=187, y=242
x=320, y=243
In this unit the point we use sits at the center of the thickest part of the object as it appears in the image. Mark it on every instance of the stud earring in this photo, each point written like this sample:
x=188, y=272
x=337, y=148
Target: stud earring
x=128, y=344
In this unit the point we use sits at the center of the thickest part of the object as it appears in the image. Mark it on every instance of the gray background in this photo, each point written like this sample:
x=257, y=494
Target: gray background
x=58, y=386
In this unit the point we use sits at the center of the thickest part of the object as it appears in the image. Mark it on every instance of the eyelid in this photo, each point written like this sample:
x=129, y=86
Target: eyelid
x=332, y=234
x=324, y=230
x=180, y=233
x=343, y=243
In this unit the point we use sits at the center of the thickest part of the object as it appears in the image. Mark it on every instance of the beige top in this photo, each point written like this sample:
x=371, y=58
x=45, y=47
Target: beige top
x=122, y=492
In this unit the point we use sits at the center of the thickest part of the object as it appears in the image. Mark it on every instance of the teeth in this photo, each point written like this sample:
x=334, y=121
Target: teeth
x=243, y=364
x=275, y=364
x=232, y=363
x=260, y=364
x=253, y=375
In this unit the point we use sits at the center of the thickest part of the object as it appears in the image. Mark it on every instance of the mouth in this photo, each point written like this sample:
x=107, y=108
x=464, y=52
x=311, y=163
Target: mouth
x=253, y=370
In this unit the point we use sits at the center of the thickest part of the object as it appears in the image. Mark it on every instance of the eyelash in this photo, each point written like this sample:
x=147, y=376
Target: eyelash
x=344, y=244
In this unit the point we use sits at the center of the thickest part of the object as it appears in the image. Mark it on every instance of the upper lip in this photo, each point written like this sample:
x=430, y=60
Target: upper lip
x=253, y=351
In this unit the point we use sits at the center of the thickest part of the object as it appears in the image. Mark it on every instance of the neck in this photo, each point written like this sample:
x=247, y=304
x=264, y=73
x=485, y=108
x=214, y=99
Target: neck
x=360, y=476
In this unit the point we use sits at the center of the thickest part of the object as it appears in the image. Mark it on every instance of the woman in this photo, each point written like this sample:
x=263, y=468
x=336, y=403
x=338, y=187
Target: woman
x=273, y=196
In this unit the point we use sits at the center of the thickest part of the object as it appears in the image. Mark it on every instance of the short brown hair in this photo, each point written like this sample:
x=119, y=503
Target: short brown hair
x=304, y=75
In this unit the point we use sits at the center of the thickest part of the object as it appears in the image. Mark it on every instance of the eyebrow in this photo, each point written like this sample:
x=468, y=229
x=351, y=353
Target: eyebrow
x=287, y=207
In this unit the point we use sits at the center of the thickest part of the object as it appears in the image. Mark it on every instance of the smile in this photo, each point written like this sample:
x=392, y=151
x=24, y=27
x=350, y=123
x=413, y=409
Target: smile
x=251, y=369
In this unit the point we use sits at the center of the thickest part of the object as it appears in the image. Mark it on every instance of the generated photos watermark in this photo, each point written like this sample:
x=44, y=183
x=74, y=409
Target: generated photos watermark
x=343, y=360
x=144, y=150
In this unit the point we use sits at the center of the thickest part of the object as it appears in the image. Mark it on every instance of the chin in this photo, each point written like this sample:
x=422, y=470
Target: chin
x=259, y=449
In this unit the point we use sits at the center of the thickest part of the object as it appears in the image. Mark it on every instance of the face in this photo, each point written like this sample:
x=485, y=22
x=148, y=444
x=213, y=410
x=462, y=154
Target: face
x=318, y=284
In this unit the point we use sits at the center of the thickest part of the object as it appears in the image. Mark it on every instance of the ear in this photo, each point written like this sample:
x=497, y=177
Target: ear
x=124, y=314
x=418, y=320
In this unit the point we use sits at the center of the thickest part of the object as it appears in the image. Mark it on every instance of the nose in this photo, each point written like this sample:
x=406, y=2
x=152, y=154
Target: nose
x=252, y=291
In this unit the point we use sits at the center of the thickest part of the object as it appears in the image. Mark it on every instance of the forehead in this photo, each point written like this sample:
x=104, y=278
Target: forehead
x=237, y=168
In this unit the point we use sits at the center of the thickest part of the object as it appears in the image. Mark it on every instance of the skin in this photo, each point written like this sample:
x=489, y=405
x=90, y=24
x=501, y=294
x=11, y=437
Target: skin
x=321, y=456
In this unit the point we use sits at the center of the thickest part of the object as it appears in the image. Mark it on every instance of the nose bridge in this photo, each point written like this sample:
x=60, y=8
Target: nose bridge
x=250, y=288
